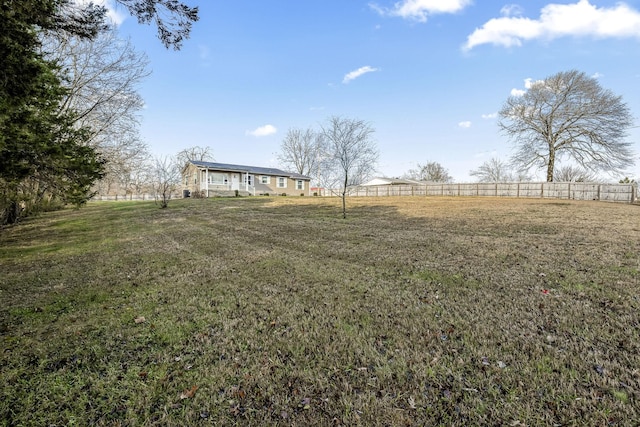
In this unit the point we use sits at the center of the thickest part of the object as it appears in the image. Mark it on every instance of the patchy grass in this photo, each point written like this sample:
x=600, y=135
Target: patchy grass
x=413, y=311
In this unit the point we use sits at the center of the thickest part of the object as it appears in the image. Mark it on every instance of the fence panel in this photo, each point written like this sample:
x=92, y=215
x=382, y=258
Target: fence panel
x=584, y=191
x=555, y=190
x=617, y=193
x=510, y=189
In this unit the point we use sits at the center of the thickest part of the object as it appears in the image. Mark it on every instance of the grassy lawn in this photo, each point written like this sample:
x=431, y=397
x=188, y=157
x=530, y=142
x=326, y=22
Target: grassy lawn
x=275, y=311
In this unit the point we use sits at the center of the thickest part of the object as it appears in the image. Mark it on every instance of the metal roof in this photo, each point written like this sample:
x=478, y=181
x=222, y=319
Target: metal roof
x=250, y=169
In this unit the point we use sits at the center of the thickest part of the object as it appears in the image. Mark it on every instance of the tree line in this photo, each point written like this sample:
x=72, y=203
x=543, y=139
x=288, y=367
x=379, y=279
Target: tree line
x=68, y=104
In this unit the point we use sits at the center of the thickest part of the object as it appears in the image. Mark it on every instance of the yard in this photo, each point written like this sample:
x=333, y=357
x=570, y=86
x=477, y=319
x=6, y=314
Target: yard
x=276, y=311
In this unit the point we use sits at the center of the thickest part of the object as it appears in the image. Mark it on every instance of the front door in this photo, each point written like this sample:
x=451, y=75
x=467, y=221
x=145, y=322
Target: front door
x=235, y=181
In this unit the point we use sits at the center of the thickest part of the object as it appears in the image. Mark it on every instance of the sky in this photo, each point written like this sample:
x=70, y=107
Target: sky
x=428, y=75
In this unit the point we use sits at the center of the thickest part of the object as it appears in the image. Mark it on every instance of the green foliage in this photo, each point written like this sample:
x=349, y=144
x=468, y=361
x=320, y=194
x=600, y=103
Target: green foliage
x=42, y=154
x=626, y=180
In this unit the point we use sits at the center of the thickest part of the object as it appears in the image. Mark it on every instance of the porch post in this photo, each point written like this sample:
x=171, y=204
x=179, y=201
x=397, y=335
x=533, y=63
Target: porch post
x=206, y=182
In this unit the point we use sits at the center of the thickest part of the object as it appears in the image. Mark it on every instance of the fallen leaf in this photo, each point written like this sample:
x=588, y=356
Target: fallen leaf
x=306, y=403
x=412, y=402
x=140, y=319
x=189, y=393
x=501, y=364
x=143, y=374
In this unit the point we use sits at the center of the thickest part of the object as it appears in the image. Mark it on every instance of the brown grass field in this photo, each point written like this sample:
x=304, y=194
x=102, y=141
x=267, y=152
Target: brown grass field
x=276, y=311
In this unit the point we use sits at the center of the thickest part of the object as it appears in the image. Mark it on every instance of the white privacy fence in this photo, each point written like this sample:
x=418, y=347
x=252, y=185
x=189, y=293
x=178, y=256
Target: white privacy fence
x=623, y=193
x=124, y=197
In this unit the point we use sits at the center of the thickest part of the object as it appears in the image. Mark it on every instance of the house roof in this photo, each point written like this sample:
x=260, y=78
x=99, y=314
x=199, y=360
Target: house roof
x=250, y=169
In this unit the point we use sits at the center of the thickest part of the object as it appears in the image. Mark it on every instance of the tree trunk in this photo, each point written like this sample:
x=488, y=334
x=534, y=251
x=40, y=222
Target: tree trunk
x=551, y=165
x=344, y=197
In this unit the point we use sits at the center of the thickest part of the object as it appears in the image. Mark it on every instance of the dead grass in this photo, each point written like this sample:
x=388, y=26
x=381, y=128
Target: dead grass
x=275, y=311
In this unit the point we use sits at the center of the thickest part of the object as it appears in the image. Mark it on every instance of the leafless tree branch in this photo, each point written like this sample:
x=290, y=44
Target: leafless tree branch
x=568, y=115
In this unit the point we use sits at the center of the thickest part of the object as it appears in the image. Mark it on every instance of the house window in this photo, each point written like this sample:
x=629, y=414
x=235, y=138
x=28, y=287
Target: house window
x=265, y=179
x=247, y=177
x=282, y=182
x=217, y=178
x=299, y=184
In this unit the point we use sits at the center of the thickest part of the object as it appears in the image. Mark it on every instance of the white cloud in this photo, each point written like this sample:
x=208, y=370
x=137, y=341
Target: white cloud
x=465, y=125
x=581, y=19
x=490, y=116
x=511, y=10
x=265, y=130
x=419, y=10
x=114, y=15
x=597, y=75
x=357, y=73
x=528, y=82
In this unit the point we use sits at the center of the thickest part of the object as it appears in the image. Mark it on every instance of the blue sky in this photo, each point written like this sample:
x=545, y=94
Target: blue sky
x=428, y=75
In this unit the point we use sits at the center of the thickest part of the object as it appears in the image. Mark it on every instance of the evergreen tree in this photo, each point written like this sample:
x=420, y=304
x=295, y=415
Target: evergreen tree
x=41, y=153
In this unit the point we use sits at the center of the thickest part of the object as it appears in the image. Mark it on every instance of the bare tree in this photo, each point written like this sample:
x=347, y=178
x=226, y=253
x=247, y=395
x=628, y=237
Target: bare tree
x=101, y=76
x=350, y=154
x=493, y=170
x=166, y=178
x=568, y=114
x=430, y=171
x=202, y=154
x=301, y=151
x=570, y=173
